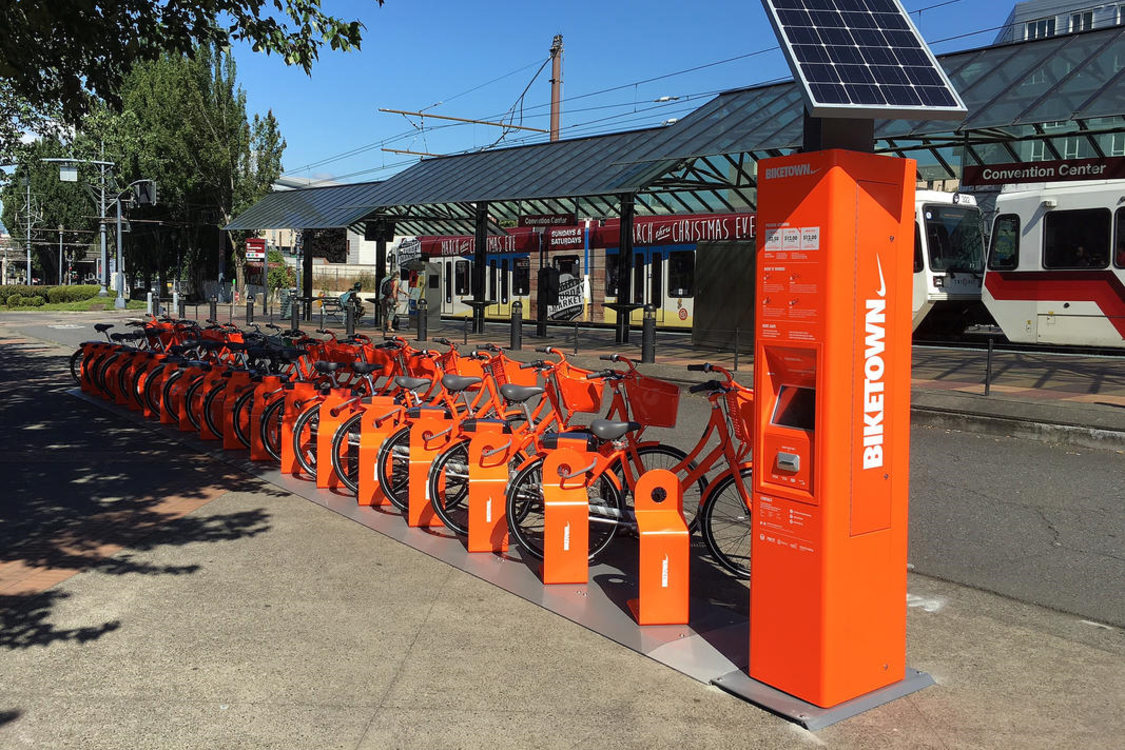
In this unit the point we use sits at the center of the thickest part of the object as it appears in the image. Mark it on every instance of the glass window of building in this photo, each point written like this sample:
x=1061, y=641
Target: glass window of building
x=1083, y=21
x=1039, y=29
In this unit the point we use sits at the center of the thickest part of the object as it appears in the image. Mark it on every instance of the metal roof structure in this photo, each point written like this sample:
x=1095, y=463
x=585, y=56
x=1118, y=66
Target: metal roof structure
x=1054, y=98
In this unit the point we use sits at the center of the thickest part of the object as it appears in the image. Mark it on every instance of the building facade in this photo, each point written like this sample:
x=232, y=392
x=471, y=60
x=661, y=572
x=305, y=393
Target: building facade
x=1038, y=19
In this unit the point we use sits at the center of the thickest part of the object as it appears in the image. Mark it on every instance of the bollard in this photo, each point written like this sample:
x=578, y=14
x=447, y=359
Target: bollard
x=665, y=546
x=466, y=342
x=349, y=317
x=423, y=314
x=181, y=308
x=295, y=313
x=515, y=341
x=566, y=515
x=176, y=301
x=576, y=337
x=230, y=312
x=213, y=309
x=988, y=369
x=249, y=309
x=648, y=335
x=148, y=303
x=321, y=313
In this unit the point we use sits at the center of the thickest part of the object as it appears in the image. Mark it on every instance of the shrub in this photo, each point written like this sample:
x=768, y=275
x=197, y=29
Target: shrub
x=34, y=301
x=15, y=300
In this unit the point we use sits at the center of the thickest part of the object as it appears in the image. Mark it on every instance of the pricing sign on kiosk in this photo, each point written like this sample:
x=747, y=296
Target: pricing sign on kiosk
x=832, y=414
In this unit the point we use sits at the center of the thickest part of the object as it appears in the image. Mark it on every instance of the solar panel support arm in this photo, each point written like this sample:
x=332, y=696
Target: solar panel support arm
x=851, y=133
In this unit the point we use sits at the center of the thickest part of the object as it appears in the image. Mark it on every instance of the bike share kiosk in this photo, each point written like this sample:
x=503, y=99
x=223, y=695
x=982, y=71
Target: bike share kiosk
x=832, y=369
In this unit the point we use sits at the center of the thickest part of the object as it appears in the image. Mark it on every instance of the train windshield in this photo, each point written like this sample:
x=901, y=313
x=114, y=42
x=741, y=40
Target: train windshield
x=954, y=238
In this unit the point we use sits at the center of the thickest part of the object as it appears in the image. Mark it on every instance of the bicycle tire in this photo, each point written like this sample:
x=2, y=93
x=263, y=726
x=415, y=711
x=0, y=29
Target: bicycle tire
x=76, y=366
x=726, y=525
x=346, y=461
x=393, y=467
x=103, y=378
x=123, y=381
x=269, y=429
x=670, y=458
x=151, y=392
x=136, y=392
x=449, y=487
x=166, y=401
x=524, y=504
x=191, y=395
x=210, y=418
x=241, y=416
x=304, y=446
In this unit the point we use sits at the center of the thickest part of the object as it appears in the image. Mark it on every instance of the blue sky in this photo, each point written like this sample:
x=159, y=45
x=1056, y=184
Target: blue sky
x=417, y=53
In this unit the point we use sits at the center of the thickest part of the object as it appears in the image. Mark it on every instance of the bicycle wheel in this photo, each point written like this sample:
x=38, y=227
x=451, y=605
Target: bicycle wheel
x=526, y=516
x=345, y=452
x=449, y=487
x=213, y=404
x=243, y=406
x=304, y=438
x=726, y=525
x=151, y=392
x=76, y=366
x=193, y=400
x=100, y=373
x=269, y=429
x=137, y=392
x=393, y=465
x=167, y=402
x=672, y=459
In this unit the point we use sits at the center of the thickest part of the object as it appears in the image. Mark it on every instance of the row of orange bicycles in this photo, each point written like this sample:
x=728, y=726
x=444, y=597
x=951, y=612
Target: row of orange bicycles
x=305, y=401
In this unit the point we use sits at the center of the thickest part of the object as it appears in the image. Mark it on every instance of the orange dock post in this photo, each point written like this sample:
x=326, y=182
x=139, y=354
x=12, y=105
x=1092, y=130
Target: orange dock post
x=430, y=433
x=566, y=510
x=382, y=418
x=269, y=384
x=490, y=449
x=665, y=548
x=238, y=382
x=295, y=395
x=326, y=477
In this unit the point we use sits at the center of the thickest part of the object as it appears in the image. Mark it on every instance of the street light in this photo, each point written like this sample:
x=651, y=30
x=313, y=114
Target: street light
x=67, y=174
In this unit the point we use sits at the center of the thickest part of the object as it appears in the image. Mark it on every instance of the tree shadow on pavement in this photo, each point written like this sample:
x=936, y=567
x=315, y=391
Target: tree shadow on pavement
x=87, y=489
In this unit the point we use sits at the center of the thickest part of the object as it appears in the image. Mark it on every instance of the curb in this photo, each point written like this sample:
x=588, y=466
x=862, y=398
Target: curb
x=1047, y=432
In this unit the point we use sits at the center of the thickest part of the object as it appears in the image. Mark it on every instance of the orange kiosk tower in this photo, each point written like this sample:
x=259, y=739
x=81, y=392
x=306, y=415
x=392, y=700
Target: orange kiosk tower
x=832, y=415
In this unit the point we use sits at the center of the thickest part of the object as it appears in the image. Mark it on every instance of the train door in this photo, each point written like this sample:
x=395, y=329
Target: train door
x=649, y=266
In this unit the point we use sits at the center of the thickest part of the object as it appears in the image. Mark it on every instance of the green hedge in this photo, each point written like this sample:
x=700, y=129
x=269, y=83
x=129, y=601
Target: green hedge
x=25, y=295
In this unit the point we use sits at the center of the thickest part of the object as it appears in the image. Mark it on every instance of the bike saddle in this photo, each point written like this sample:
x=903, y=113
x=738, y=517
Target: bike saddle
x=458, y=383
x=412, y=384
x=604, y=429
x=326, y=367
x=517, y=394
x=102, y=327
x=365, y=368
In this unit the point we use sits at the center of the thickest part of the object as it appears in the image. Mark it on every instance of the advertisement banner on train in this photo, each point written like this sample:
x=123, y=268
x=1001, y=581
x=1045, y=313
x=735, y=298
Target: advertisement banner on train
x=570, y=299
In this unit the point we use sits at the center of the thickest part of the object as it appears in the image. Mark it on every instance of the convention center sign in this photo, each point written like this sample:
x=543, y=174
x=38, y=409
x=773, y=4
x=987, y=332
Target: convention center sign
x=1068, y=170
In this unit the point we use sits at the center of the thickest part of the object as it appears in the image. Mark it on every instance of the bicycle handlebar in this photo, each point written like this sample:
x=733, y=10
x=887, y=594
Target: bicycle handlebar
x=710, y=385
x=705, y=367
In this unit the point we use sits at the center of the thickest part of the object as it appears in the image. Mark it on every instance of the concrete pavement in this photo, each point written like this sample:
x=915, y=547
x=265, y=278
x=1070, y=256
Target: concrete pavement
x=261, y=620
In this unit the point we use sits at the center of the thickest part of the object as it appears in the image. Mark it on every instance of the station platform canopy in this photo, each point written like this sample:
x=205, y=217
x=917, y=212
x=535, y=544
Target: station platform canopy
x=1061, y=97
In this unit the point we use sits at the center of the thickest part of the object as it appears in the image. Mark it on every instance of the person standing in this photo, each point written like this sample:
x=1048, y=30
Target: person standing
x=391, y=288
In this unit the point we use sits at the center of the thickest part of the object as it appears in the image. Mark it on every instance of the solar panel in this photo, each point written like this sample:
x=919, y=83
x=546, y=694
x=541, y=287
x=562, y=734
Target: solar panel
x=862, y=58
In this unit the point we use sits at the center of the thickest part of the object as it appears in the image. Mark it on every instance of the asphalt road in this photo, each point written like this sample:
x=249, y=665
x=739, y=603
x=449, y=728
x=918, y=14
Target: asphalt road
x=1038, y=522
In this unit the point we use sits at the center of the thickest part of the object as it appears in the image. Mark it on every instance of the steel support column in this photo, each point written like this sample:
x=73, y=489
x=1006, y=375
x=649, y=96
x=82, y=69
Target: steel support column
x=479, y=260
x=625, y=304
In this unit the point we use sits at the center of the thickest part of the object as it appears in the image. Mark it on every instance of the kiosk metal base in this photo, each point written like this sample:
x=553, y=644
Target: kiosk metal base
x=811, y=717
x=713, y=649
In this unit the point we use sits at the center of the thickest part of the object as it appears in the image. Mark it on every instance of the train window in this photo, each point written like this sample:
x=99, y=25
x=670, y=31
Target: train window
x=1076, y=239
x=681, y=274
x=954, y=238
x=462, y=275
x=491, y=294
x=1119, y=238
x=611, y=273
x=504, y=281
x=919, y=262
x=521, y=277
x=448, y=282
x=1004, y=249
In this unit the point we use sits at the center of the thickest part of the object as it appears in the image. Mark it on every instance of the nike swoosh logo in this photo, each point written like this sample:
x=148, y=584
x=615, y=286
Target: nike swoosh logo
x=882, y=291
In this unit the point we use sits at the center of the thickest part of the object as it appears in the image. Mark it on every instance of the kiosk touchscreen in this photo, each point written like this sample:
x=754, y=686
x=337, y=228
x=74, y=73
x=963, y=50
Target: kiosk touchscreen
x=832, y=390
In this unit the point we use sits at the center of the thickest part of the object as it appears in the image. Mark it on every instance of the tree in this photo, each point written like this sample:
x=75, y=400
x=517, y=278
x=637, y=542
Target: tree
x=54, y=204
x=59, y=57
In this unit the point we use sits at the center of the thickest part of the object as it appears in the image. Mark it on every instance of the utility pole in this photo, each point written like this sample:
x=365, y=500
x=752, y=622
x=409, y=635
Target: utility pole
x=103, y=292
x=27, y=181
x=60, y=256
x=556, y=85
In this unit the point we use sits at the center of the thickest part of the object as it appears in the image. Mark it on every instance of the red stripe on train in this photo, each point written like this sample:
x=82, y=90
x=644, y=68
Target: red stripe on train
x=1100, y=287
